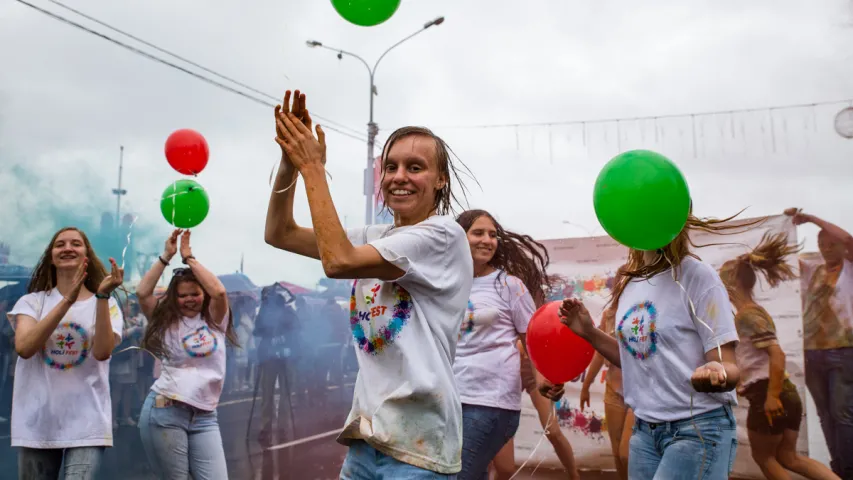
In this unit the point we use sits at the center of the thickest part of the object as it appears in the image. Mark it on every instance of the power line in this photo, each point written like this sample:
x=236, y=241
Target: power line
x=182, y=69
x=649, y=117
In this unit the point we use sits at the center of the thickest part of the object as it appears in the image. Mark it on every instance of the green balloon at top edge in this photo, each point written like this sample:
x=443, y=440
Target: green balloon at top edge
x=641, y=199
x=366, y=13
x=185, y=203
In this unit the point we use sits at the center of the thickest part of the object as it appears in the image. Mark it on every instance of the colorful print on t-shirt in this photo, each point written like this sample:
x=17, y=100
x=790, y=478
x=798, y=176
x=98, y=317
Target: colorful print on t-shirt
x=468, y=324
x=636, y=330
x=200, y=343
x=67, y=347
x=378, y=309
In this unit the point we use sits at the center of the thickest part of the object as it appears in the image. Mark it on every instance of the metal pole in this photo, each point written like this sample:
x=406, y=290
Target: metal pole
x=118, y=195
x=369, y=184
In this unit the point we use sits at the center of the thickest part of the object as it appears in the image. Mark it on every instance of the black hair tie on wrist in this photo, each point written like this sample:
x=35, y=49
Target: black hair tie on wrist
x=165, y=263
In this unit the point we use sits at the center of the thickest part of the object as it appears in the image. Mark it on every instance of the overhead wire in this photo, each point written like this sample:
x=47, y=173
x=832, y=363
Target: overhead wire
x=642, y=118
x=272, y=100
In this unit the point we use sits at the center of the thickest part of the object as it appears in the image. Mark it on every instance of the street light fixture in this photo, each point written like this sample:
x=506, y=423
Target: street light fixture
x=372, y=128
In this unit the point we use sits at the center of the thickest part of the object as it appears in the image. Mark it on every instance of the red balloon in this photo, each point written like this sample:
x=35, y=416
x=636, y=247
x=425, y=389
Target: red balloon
x=187, y=152
x=558, y=354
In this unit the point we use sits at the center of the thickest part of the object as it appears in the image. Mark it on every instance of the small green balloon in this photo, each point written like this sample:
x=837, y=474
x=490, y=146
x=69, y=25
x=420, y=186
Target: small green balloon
x=184, y=203
x=366, y=13
x=641, y=199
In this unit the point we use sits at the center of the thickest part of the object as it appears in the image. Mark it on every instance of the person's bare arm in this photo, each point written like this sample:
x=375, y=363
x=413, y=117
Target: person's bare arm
x=831, y=229
x=574, y=315
x=31, y=335
x=777, y=370
x=718, y=375
x=146, y=286
x=340, y=258
x=105, y=338
x=208, y=281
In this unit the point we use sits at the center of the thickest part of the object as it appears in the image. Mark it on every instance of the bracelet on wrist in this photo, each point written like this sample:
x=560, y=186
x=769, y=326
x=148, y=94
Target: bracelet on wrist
x=187, y=259
x=163, y=261
x=102, y=296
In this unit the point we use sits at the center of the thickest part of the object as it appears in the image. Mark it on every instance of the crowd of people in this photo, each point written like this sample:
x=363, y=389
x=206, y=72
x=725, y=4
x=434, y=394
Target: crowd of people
x=438, y=316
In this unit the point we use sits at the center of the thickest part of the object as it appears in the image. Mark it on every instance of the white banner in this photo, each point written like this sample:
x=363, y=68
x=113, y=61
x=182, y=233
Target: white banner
x=589, y=264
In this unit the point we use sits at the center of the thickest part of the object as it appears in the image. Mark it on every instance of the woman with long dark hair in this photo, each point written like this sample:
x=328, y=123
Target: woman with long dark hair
x=65, y=330
x=775, y=408
x=412, y=281
x=510, y=280
x=675, y=343
x=187, y=330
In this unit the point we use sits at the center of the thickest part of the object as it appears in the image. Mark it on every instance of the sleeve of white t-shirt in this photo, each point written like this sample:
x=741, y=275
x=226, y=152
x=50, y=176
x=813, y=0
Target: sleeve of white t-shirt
x=521, y=304
x=423, y=252
x=116, y=317
x=714, y=308
x=29, y=305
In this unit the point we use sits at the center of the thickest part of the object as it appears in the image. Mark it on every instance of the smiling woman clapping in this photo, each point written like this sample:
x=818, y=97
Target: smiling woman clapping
x=411, y=292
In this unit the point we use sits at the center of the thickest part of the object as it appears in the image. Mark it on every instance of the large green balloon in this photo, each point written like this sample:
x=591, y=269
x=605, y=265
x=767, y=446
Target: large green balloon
x=366, y=13
x=641, y=199
x=184, y=203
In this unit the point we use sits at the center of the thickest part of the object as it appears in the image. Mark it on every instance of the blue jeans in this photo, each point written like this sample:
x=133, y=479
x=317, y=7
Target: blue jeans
x=364, y=462
x=829, y=378
x=81, y=463
x=485, y=430
x=181, y=440
x=674, y=450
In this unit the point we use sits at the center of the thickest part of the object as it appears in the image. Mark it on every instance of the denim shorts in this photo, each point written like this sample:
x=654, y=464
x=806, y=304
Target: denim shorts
x=485, y=430
x=703, y=446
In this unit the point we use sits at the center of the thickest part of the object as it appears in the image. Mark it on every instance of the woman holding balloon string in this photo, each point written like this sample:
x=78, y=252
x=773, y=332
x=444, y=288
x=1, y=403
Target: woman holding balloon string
x=187, y=330
x=675, y=331
x=510, y=279
x=65, y=330
x=620, y=418
x=411, y=289
x=775, y=408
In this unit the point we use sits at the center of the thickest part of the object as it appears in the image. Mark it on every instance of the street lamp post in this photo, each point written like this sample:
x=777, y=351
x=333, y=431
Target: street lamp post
x=372, y=128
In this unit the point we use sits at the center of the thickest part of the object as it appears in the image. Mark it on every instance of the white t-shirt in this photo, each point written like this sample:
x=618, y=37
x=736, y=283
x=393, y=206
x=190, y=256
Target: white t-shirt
x=661, y=344
x=487, y=360
x=405, y=403
x=61, y=397
x=757, y=332
x=194, y=371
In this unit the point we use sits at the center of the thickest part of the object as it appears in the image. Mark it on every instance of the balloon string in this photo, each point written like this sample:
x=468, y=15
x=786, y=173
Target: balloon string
x=162, y=362
x=538, y=444
x=127, y=244
x=174, y=200
x=295, y=178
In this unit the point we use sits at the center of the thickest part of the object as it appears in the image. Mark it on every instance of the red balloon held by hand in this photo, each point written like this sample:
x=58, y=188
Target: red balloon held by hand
x=187, y=151
x=557, y=352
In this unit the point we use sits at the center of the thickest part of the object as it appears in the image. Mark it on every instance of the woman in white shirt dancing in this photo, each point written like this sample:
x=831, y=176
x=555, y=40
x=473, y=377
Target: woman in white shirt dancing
x=675, y=343
x=412, y=281
x=65, y=330
x=510, y=280
x=187, y=330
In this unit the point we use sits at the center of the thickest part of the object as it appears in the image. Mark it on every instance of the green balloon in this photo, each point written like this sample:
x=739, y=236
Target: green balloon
x=641, y=199
x=184, y=203
x=366, y=13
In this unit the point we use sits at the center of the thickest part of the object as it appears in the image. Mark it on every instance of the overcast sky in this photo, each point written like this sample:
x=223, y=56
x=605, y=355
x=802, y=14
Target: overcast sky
x=68, y=100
